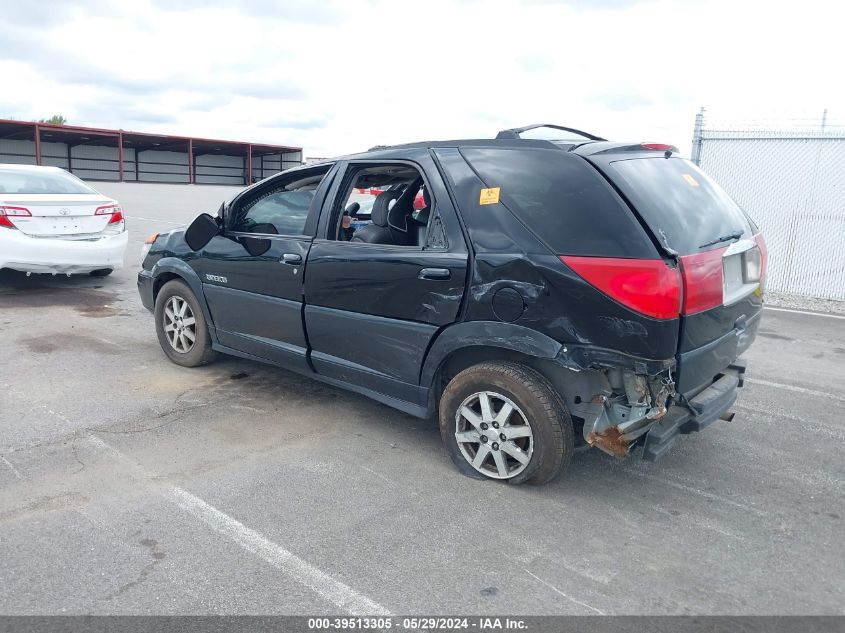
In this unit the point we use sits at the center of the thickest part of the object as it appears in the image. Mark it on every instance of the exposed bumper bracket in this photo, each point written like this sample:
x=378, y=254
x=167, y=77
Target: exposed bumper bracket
x=705, y=408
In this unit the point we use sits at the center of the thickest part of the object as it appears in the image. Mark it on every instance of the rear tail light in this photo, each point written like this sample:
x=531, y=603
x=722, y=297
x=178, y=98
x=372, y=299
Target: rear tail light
x=7, y=212
x=702, y=280
x=114, y=210
x=764, y=255
x=652, y=288
x=647, y=286
x=116, y=224
x=752, y=266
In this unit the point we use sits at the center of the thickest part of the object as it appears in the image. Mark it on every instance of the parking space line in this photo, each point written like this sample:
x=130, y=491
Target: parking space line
x=336, y=592
x=137, y=217
x=805, y=391
x=558, y=591
x=702, y=493
x=12, y=468
x=820, y=314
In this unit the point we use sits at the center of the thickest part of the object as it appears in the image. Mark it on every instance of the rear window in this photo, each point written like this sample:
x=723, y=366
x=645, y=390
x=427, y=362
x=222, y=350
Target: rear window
x=38, y=181
x=563, y=200
x=679, y=202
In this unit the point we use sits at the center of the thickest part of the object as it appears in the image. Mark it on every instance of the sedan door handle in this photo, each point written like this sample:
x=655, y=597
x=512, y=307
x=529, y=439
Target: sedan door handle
x=292, y=258
x=437, y=274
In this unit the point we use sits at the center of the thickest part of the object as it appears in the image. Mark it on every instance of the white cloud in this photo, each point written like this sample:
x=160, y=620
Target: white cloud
x=342, y=77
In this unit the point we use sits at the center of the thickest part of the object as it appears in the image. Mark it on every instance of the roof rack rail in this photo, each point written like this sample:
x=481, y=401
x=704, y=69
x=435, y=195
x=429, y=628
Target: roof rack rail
x=515, y=132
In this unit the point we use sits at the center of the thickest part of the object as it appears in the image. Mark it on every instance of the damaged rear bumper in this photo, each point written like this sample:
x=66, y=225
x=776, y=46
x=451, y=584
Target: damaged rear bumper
x=651, y=414
x=709, y=405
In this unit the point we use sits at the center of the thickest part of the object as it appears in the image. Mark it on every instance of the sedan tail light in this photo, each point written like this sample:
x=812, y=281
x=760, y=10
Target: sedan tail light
x=647, y=286
x=114, y=210
x=8, y=212
x=116, y=224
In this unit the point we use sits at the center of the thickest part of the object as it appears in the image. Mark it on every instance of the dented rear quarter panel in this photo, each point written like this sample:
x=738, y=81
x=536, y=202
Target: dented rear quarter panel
x=557, y=302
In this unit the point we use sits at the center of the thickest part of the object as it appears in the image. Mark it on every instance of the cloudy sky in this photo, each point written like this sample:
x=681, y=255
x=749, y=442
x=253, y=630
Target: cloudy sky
x=340, y=77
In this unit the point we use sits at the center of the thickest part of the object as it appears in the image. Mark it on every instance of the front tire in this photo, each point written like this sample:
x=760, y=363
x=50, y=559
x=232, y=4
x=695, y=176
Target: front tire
x=181, y=327
x=503, y=420
x=101, y=272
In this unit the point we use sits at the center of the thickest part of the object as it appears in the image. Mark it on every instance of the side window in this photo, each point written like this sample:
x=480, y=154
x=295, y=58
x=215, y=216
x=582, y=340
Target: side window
x=562, y=199
x=383, y=204
x=281, y=207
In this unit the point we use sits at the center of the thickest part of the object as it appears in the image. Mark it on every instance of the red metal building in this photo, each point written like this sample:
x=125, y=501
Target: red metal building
x=123, y=156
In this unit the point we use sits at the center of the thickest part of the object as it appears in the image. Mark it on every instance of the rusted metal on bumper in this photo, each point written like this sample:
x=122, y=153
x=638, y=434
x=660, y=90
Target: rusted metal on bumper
x=610, y=440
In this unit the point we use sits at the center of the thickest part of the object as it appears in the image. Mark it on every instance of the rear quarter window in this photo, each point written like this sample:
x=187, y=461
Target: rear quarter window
x=563, y=200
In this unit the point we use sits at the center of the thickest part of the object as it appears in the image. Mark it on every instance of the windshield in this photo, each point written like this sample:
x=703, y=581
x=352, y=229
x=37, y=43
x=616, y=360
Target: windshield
x=41, y=181
x=684, y=208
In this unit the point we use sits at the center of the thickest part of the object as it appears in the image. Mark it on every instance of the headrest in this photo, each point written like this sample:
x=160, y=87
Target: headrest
x=381, y=206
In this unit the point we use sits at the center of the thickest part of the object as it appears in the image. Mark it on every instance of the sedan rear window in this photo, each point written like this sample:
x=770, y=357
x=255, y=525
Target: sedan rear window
x=32, y=181
x=684, y=208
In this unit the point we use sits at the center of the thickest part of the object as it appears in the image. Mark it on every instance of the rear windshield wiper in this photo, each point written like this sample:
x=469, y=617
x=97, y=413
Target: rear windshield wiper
x=730, y=236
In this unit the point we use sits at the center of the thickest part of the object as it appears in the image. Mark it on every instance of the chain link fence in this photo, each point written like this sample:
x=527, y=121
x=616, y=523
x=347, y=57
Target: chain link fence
x=789, y=175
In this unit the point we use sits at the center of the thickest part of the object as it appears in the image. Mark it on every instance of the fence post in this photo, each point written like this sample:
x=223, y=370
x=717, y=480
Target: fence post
x=696, y=137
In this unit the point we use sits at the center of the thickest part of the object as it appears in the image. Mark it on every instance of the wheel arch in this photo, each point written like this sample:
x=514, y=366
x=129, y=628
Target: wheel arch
x=462, y=346
x=170, y=268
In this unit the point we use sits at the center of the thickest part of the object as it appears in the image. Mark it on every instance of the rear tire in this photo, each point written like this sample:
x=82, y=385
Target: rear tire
x=181, y=327
x=512, y=424
x=102, y=272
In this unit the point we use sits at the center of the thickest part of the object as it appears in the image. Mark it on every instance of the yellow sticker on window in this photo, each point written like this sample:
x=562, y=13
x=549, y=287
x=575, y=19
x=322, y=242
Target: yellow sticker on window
x=489, y=196
x=692, y=182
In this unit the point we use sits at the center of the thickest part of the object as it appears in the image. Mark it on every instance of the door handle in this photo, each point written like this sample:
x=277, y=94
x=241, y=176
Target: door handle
x=437, y=274
x=292, y=258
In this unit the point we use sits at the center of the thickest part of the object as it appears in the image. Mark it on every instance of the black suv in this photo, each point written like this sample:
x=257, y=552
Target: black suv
x=539, y=296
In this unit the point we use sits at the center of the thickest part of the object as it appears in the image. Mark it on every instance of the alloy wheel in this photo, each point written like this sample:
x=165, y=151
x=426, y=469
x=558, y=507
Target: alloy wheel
x=494, y=435
x=180, y=325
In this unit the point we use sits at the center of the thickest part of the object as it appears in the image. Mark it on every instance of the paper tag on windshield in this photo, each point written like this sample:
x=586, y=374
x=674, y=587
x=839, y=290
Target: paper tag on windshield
x=489, y=196
x=692, y=182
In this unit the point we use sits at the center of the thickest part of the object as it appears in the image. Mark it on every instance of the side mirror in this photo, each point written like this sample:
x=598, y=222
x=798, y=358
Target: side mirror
x=200, y=231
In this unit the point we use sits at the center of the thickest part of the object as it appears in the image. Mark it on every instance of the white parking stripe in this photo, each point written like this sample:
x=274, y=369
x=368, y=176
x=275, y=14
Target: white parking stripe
x=819, y=314
x=12, y=468
x=570, y=598
x=808, y=392
x=137, y=217
x=336, y=592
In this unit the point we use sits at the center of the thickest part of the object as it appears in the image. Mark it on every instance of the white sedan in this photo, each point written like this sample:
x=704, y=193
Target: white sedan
x=52, y=222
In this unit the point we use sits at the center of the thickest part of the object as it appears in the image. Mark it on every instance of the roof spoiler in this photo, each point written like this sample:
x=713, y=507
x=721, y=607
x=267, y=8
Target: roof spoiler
x=515, y=132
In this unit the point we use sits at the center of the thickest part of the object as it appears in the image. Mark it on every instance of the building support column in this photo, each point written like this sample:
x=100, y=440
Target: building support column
x=191, y=176
x=37, y=144
x=120, y=156
x=249, y=164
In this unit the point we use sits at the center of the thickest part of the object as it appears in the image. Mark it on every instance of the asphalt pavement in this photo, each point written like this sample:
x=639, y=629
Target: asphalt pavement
x=129, y=485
